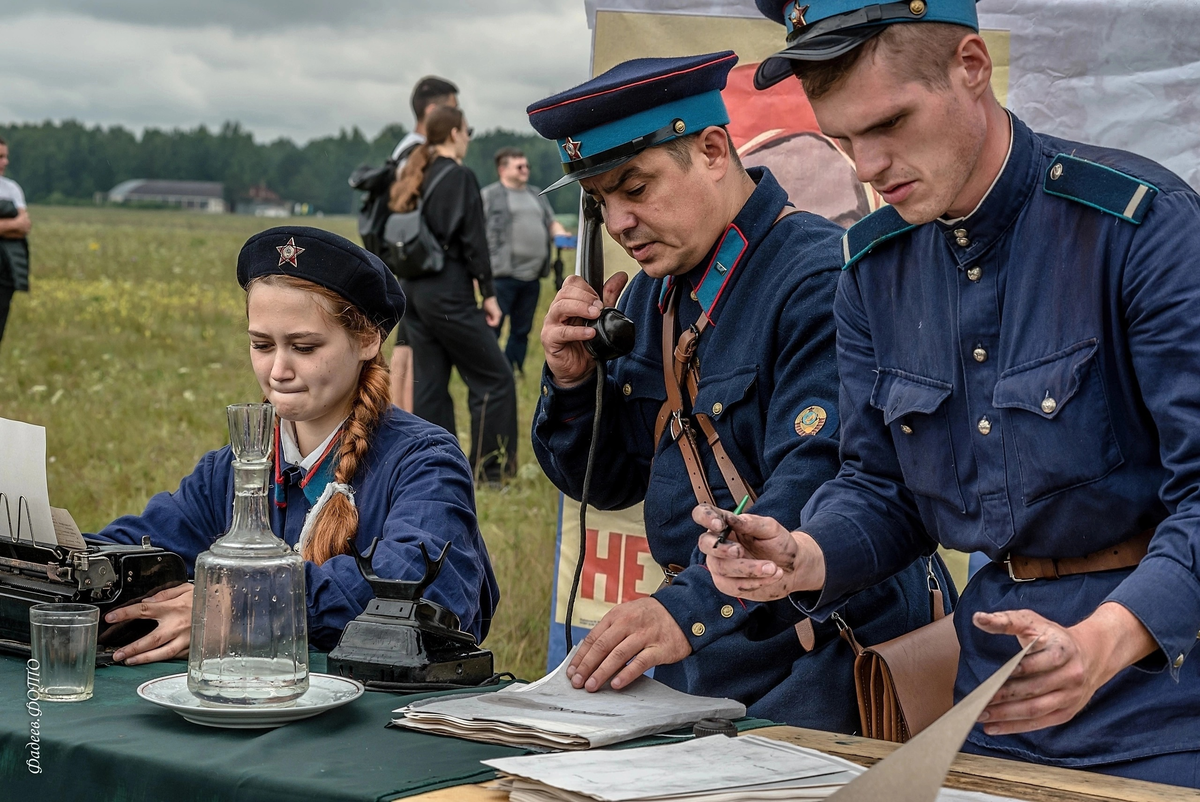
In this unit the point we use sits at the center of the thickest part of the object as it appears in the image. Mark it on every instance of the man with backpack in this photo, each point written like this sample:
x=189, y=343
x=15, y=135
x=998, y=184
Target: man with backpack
x=429, y=93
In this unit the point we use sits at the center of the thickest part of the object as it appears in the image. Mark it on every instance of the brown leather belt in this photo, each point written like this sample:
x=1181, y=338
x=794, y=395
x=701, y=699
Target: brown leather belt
x=1122, y=555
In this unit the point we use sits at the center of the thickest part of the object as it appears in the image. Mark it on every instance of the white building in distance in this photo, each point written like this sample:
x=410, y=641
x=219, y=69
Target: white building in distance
x=201, y=196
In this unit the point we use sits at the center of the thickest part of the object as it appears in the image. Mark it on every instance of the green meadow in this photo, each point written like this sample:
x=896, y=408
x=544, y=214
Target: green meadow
x=131, y=344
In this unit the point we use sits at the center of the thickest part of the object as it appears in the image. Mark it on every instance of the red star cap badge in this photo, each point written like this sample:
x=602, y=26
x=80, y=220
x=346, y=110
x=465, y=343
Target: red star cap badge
x=797, y=16
x=572, y=148
x=289, y=252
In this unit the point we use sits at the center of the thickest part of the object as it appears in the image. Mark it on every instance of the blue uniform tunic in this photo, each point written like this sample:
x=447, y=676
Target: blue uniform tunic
x=1027, y=381
x=766, y=357
x=414, y=487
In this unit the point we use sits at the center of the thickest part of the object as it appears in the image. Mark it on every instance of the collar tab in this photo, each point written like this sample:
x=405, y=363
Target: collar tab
x=870, y=232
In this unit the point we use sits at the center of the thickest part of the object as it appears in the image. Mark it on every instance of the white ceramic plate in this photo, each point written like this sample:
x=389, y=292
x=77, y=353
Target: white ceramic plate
x=325, y=692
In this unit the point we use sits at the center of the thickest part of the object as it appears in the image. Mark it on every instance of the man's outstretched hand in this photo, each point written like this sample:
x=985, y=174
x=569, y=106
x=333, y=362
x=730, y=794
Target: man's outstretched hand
x=1064, y=669
x=761, y=560
x=631, y=639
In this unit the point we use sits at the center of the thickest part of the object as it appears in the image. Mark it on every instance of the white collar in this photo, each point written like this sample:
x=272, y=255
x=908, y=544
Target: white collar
x=995, y=180
x=291, y=449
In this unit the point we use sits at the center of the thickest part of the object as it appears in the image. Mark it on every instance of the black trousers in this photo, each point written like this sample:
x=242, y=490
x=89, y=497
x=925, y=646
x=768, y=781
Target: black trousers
x=6, y=294
x=447, y=330
x=518, y=301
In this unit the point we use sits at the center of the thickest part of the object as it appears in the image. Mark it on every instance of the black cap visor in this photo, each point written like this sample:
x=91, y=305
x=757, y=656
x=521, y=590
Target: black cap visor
x=588, y=172
x=820, y=47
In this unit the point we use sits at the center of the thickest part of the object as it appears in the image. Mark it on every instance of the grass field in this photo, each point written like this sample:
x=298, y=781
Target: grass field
x=133, y=341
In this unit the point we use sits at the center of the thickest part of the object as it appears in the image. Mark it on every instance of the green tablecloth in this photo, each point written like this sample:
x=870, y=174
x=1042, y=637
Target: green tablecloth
x=116, y=746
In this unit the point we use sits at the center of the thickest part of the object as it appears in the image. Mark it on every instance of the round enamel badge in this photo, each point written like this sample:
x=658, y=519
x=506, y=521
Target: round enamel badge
x=810, y=420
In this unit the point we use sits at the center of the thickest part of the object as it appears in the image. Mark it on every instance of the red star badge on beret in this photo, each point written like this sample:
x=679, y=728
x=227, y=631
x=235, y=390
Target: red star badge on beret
x=572, y=148
x=289, y=252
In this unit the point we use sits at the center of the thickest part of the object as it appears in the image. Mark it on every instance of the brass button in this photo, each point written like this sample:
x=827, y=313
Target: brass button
x=1049, y=405
x=627, y=389
x=1056, y=172
x=904, y=427
x=963, y=242
x=974, y=273
x=717, y=407
x=697, y=629
x=1178, y=661
x=692, y=295
x=985, y=426
x=545, y=390
x=917, y=7
x=980, y=354
x=960, y=232
x=727, y=611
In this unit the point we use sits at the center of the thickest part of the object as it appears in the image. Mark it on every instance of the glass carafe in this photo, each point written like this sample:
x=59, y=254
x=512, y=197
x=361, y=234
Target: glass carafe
x=249, y=615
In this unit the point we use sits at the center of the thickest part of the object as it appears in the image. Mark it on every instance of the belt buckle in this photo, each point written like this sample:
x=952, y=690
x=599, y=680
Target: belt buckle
x=677, y=425
x=1012, y=576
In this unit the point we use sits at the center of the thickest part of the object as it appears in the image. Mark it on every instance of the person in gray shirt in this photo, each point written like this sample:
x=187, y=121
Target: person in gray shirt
x=520, y=230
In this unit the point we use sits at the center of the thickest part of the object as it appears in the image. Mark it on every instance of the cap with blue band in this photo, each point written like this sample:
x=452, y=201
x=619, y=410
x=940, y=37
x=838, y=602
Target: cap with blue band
x=601, y=124
x=819, y=30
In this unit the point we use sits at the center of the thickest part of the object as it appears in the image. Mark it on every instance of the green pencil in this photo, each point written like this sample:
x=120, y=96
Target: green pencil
x=724, y=536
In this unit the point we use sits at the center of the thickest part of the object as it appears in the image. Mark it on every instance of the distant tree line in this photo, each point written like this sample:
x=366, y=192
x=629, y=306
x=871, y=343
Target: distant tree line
x=69, y=163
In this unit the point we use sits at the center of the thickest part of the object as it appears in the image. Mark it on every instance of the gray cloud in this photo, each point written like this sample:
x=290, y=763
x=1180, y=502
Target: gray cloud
x=300, y=68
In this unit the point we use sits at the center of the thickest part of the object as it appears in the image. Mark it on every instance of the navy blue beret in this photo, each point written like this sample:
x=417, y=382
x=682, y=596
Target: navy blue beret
x=819, y=30
x=324, y=258
x=637, y=104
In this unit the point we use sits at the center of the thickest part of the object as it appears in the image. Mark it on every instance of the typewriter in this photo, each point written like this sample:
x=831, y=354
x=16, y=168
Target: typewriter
x=103, y=574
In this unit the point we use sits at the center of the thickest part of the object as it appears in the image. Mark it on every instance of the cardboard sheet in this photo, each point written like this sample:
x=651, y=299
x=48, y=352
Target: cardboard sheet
x=915, y=772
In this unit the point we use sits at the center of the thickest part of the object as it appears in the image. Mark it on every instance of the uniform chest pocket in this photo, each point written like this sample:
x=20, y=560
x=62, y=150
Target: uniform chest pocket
x=914, y=409
x=1058, y=413
x=640, y=384
x=730, y=400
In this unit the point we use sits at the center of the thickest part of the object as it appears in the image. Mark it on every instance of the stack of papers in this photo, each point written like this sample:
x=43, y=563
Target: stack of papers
x=713, y=769
x=550, y=713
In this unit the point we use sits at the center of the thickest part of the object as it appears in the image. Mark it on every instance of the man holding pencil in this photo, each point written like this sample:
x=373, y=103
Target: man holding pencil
x=746, y=407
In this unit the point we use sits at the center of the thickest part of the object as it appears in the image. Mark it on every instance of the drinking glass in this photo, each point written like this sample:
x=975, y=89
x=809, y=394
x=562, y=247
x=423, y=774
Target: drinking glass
x=251, y=431
x=63, y=642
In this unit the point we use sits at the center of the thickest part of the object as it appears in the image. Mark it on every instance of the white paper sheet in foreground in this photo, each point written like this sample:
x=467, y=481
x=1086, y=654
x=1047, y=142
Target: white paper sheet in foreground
x=552, y=713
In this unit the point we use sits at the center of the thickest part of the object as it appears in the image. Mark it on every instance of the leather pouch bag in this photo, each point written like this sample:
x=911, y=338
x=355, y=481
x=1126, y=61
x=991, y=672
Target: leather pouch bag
x=907, y=683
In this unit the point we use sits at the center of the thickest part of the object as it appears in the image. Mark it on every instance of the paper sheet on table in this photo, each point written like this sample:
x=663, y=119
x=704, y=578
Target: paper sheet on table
x=23, y=483
x=915, y=772
x=702, y=770
x=552, y=713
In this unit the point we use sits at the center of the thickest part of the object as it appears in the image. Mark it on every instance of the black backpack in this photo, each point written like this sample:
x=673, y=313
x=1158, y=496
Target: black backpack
x=411, y=249
x=373, y=214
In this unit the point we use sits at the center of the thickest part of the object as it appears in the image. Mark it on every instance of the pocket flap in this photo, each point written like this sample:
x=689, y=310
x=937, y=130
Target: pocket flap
x=1045, y=385
x=639, y=379
x=724, y=390
x=898, y=393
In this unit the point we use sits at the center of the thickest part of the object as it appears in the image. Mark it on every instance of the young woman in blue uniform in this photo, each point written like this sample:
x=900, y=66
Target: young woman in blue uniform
x=319, y=308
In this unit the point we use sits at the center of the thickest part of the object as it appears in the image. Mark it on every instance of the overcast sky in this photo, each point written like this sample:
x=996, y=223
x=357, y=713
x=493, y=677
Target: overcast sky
x=294, y=68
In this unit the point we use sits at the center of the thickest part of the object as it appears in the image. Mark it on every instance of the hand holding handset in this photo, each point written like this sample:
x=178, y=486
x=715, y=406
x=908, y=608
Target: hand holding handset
x=614, y=331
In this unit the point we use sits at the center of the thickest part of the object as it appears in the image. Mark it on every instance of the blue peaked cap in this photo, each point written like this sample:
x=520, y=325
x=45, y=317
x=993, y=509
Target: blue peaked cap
x=324, y=258
x=637, y=104
x=819, y=30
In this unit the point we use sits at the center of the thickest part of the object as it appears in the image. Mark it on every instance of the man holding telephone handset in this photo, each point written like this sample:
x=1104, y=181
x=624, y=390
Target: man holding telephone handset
x=747, y=403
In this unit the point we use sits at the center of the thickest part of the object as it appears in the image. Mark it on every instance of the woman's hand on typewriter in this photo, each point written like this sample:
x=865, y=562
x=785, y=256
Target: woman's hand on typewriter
x=172, y=610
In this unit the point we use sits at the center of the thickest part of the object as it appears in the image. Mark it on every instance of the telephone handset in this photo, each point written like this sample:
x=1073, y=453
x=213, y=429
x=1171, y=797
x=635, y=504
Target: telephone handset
x=614, y=331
